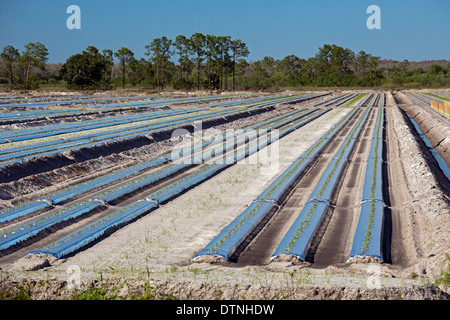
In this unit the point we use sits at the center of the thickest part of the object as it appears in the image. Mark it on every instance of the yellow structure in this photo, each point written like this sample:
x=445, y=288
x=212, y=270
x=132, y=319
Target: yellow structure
x=443, y=108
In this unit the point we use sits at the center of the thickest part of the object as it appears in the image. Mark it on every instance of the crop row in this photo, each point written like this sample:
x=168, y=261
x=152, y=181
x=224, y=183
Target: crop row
x=297, y=240
x=440, y=161
x=28, y=229
x=90, y=124
x=229, y=239
x=425, y=99
x=262, y=143
x=340, y=99
x=373, y=100
x=255, y=101
x=40, y=113
x=33, y=133
x=428, y=98
x=331, y=100
x=31, y=102
x=363, y=101
x=84, y=187
x=36, y=114
x=93, y=139
x=289, y=100
x=18, y=99
x=234, y=140
x=78, y=239
x=130, y=101
x=382, y=101
x=368, y=238
x=90, y=140
x=348, y=98
x=24, y=231
x=91, y=232
x=419, y=98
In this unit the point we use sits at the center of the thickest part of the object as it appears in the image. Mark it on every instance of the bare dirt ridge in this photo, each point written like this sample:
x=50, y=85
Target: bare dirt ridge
x=420, y=212
x=435, y=126
x=156, y=250
x=119, y=288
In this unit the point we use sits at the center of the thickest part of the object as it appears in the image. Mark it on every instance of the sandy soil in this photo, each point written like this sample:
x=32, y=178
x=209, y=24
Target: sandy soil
x=434, y=125
x=293, y=285
x=423, y=205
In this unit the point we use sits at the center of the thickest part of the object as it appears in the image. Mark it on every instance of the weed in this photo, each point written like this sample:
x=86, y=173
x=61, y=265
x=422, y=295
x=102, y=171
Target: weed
x=152, y=293
x=24, y=293
x=444, y=277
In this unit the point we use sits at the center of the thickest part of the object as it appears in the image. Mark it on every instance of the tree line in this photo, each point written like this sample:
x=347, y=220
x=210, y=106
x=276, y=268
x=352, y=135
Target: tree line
x=210, y=62
x=34, y=55
x=204, y=61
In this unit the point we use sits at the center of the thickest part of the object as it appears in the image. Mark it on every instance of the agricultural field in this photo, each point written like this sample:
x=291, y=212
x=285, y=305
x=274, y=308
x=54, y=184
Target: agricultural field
x=249, y=195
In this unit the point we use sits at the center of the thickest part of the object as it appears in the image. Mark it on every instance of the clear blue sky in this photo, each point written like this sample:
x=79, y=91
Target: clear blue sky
x=413, y=30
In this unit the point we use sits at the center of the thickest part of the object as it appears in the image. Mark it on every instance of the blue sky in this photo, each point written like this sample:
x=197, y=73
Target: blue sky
x=413, y=30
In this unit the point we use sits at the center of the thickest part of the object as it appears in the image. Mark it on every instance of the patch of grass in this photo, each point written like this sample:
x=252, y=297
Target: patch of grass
x=20, y=293
x=99, y=292
x=436, y=96
x=269, y=100
x=96, y=293
x=444, y=278
x=355, y=99
x=103, y=292
x=151, y=293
